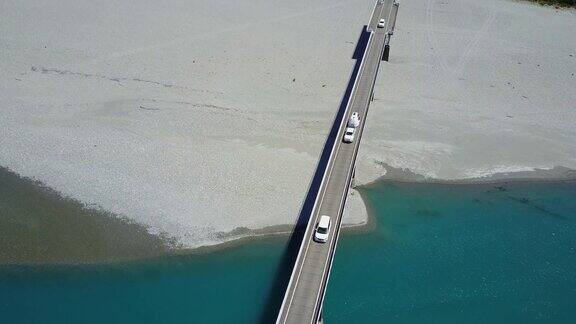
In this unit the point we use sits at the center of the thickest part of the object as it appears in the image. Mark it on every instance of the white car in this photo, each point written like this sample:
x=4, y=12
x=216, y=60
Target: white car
x=382, y=23
x=322, y=230
x=349, y=134
x=354, y=120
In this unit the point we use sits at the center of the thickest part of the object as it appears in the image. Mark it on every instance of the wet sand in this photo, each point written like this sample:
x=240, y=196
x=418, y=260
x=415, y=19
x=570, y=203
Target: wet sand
x=39, y=226
x=406, y=175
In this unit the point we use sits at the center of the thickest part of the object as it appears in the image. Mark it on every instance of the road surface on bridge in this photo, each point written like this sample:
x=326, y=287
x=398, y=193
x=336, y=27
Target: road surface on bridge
x=305, y=292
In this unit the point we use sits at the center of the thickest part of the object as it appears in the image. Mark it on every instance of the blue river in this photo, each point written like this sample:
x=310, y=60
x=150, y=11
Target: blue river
x=440, y=253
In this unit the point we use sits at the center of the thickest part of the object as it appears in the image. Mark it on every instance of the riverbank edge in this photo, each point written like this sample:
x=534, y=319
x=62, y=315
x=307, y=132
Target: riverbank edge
x=242, y=236
x=556, y=174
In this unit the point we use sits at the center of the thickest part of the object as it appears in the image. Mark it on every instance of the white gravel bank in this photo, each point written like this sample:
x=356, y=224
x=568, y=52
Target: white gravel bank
x=198, y=117
x=475, y=88
x=192, y=117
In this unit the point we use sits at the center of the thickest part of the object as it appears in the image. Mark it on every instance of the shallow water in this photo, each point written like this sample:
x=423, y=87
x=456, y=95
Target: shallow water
x=38, y=225
x=500, y=253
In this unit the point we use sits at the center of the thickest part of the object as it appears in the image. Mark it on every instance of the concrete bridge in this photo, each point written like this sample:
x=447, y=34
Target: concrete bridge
x=306, y=289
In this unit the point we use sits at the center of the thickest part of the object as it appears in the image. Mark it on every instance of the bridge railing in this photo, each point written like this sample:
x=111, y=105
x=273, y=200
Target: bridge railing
x=311, y=223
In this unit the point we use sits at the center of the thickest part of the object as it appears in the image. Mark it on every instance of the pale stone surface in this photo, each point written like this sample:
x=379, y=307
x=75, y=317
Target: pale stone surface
x=198, y=117
x=474, y=88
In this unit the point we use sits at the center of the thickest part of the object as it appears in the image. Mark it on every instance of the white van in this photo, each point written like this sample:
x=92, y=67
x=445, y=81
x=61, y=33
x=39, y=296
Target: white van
x=322, y=230
x=354, y=120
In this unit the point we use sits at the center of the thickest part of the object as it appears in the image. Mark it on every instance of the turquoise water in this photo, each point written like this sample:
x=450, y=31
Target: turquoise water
x=227, y=287
x=460, y=254
x=501, y=253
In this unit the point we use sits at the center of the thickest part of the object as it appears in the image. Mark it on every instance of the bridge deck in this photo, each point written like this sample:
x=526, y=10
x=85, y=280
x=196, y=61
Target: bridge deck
x=305, y=292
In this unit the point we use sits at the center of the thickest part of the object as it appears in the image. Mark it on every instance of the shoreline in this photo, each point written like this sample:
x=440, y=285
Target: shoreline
x=270, y=233
x=555, y=174
x=242, y=236
x=39, y=225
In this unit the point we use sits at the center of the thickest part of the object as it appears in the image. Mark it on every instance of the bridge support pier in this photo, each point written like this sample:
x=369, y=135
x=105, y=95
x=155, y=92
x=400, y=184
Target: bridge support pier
x=386, y=53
